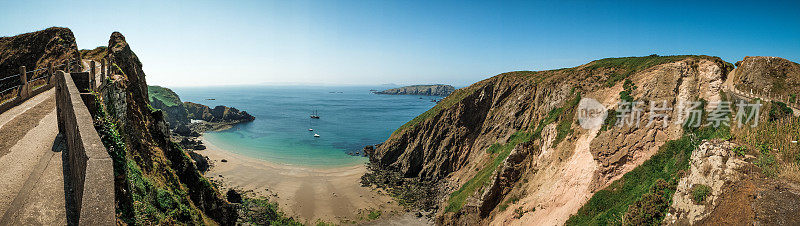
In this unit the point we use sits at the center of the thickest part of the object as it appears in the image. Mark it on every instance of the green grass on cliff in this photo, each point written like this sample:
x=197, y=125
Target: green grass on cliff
x=141, y=199
x=164, y=95
x=481, y=179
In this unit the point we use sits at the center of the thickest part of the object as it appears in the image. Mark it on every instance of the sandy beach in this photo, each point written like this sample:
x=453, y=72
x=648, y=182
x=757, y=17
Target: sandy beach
x=308, y=194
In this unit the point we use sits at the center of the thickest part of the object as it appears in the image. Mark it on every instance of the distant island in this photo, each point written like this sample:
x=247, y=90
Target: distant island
x=423, y=90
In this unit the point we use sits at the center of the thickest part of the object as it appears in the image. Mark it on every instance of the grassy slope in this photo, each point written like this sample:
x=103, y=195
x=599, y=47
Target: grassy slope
x=164, y=95
x=96, y=54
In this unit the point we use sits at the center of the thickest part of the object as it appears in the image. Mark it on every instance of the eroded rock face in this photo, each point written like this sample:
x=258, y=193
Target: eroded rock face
x=504, y=179
x=669, y=86
x=773, y=75
x=713, y=164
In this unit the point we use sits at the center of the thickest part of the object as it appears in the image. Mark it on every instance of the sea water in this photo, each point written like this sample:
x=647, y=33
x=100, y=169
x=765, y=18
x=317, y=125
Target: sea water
x=350, y=118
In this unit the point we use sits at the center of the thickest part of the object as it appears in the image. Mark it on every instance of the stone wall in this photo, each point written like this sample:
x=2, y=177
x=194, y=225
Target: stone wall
x=91, y=168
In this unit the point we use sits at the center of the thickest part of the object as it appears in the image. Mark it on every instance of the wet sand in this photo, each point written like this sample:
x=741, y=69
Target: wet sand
x=308, y=194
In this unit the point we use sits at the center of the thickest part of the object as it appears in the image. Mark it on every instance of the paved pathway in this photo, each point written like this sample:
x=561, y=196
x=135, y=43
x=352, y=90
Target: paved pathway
x=32, y=189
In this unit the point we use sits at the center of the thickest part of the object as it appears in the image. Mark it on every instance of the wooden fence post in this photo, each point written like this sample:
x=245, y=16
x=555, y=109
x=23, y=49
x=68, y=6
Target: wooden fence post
x=50, y=72
x=92, y=74
x=103, y=70
x=23, y=80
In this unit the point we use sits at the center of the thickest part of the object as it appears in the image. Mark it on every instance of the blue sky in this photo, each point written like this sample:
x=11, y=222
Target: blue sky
x=201, y=43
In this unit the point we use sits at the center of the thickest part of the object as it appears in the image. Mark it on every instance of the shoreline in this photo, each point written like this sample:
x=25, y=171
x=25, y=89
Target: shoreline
x=306, y=193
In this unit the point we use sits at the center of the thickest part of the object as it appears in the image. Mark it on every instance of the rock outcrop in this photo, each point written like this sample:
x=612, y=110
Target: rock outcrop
x=423, y=90
x=220, y=114
x=774, y=75
x=36, y=50
x=712, y=165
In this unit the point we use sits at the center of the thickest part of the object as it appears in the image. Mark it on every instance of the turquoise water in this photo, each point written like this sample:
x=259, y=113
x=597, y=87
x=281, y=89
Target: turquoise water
x=351, y=118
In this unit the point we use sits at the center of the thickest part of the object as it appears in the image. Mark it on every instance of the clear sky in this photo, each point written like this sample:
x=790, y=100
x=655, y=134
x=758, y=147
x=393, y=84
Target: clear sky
x=201, y=43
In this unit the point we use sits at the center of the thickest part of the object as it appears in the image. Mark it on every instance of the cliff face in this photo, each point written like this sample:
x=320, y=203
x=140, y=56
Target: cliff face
x=773, y=75
x=423, y=90
x=220, y=114
x=515, y=137
x=36, y=49
x=157, y=182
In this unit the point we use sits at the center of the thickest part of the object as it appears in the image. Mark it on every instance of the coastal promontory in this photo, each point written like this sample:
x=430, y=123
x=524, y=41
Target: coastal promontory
x=423, y=90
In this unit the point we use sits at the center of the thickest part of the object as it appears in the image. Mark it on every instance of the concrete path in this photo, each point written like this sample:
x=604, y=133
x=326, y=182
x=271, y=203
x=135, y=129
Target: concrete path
x=32, y=170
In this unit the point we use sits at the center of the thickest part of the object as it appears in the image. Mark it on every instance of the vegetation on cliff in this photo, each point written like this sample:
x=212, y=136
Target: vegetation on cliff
x=440, y=144
x=155, y=180
x=96, y=54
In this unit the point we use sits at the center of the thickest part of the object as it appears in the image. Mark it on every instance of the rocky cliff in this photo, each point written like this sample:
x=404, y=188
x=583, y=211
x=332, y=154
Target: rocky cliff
x=423, y=90
x=774, y=75
x=36, y=50
x=509, y=150
x=156, y=181
x=220, y=114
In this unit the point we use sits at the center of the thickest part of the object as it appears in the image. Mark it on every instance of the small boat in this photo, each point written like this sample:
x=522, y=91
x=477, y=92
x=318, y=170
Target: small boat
x=211, y=99
x=316, y=135
x=310, y=129
x=315, y=115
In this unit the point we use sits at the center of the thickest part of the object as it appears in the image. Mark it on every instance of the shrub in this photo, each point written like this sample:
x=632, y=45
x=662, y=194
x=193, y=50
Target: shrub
x=629, y=87
x=740, y=150
x=373, y=214
x=766, y=161
x=611, y=120
x=779, y=110
x=650, y=209
x=700, y=192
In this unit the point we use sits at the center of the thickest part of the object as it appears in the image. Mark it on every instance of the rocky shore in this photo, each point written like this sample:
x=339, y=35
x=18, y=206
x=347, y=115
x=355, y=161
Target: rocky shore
x=189, y=120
